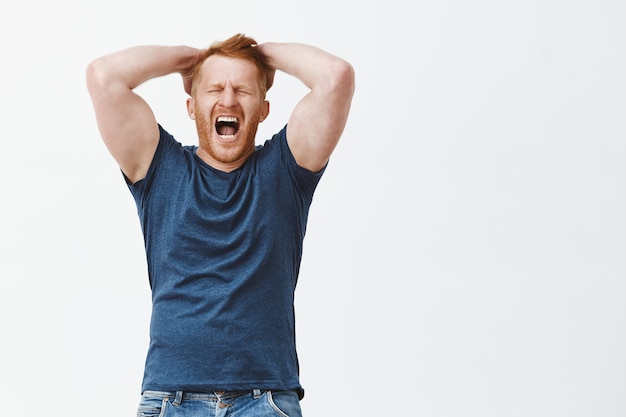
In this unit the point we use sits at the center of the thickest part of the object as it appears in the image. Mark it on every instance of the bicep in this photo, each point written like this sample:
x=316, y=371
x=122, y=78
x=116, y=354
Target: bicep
x=318, y=120
x=127, y=126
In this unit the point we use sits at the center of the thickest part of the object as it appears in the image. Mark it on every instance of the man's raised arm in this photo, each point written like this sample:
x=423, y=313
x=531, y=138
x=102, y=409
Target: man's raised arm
x=318, y=120
x=126, y=122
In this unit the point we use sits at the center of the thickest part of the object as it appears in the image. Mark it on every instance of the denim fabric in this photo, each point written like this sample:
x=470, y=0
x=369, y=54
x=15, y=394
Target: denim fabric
x=236, y=404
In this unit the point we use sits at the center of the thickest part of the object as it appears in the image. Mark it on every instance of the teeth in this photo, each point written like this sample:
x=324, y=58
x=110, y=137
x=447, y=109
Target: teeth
x=227, y=119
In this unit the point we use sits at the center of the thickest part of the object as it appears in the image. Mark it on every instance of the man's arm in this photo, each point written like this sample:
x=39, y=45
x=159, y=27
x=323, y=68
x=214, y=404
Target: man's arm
x=318, y=120
x=126, y=122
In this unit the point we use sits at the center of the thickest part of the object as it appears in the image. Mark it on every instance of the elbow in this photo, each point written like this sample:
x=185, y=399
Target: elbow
x=343, y=78
x=97, y=75
x=94, y=75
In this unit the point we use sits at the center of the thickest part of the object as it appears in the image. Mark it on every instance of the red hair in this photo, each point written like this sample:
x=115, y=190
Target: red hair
x=238, y=46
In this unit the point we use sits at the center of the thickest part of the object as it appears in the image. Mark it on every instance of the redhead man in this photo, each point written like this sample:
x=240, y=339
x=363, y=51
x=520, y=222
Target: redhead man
x=224, y=221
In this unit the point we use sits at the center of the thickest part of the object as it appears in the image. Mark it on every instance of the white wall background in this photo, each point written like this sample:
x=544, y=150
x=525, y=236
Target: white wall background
x=466, y=249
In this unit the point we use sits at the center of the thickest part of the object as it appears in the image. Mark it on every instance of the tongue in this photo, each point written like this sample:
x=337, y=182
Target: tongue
x=226, y=130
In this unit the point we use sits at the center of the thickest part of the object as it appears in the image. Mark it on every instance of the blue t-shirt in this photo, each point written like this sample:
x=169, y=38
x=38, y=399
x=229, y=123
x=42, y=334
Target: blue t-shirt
x=223, y=252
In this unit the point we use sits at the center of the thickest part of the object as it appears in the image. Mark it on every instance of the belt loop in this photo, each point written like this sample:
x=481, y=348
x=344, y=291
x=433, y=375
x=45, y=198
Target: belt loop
x=179, y=398
x=256, y=393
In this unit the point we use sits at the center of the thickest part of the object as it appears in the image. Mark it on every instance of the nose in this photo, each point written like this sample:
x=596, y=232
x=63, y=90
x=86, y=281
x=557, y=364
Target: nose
x=227, y=98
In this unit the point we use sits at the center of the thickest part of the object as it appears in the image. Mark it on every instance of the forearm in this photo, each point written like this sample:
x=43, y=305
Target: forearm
x=311, y=65
x=133, y=66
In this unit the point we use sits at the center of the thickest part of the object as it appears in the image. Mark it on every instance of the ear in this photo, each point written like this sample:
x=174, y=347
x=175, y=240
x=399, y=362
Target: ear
x=190, y=108
x=265, y=110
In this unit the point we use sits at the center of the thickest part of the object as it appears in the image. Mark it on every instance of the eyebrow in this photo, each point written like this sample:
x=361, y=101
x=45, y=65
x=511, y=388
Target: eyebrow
x=237, y=86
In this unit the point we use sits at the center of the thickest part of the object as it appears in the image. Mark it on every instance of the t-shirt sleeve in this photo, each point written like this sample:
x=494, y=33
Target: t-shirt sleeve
x=305, y=180
x=141, y=188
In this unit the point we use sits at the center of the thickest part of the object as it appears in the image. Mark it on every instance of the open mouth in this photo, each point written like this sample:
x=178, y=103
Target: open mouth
x=227, y=126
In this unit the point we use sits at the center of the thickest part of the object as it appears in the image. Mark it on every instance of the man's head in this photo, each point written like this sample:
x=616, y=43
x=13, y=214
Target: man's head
x=228, y=100
x=237, y=46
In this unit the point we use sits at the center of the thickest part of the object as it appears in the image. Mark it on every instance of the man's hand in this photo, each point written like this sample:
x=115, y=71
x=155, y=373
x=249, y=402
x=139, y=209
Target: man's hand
x=187, y=73
x=269, y=75
x=187, y=80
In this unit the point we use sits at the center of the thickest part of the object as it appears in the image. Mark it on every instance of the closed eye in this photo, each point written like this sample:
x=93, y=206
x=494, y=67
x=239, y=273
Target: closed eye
x=244, y=91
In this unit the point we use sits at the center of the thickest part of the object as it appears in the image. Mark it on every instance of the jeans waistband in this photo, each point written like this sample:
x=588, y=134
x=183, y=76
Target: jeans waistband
x=179, y=396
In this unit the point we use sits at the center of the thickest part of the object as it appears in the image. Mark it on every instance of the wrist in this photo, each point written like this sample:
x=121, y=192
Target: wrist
x=188, y=57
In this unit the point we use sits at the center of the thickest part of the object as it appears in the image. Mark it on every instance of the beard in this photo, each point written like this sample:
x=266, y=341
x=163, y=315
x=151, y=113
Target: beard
x=226, y=152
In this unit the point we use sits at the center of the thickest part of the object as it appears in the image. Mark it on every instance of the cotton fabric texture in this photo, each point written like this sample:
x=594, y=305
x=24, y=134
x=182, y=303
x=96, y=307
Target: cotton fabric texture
x=223, y=253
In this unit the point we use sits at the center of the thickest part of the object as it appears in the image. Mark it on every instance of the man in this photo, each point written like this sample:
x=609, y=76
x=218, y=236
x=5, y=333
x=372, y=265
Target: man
x=224, y=221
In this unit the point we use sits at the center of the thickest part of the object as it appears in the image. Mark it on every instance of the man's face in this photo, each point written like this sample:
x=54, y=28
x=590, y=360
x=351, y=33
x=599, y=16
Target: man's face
x=227, y=107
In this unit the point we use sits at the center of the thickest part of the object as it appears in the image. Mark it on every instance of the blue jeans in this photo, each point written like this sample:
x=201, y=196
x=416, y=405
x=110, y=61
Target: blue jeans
x=254, y=403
